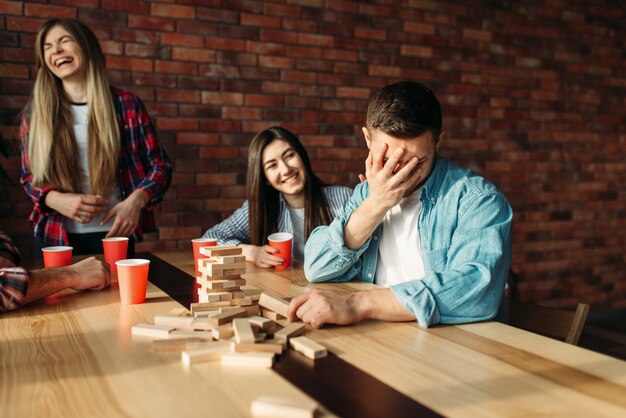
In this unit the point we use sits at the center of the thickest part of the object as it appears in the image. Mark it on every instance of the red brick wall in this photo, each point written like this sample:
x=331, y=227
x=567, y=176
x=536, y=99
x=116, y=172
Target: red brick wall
x=533, y=97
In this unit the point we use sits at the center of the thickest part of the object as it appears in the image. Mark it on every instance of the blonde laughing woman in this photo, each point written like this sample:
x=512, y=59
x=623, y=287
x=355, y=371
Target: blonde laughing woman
x=92, y=162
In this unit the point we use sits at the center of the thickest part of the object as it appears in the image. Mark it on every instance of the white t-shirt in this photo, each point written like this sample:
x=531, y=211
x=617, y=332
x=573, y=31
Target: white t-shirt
x=80, y=132
x=297, y=220
x=399, y=257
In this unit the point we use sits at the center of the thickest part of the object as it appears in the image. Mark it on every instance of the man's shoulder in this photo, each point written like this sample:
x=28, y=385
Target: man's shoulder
x=467, y=178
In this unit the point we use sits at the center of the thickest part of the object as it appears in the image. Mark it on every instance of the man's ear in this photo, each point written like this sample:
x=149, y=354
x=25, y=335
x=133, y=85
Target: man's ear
x=442, y=136
x=368, y=140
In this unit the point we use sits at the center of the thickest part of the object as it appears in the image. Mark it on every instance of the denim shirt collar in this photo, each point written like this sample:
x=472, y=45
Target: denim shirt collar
x=432, y=187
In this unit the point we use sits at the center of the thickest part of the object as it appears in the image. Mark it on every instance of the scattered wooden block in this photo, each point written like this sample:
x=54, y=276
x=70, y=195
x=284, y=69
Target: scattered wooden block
x=178, y=334
x=250, y=359
x=274, y=303
x=292, y=329
x=308, y=347
x=259, y=321
x=202, y=324
x=213, y=351
x=174, y=320
x=260, y=347
x=227, y=317
x=230, y=259
x=221, y=250
x=223, y=332
x=241, y=302
x=243, y=331
x=223, y=285
x=179, y=344
x=150, y=330
x=208, y=306
x=279, y=407
x=271, y=314
x=180, y=312
x=253, y=292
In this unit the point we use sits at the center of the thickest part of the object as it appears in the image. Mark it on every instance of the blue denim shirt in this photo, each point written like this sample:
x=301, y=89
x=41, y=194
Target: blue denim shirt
x=465, y=242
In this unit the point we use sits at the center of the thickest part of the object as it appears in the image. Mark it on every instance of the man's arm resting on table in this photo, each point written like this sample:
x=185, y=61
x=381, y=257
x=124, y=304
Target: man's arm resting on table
x=319, y=307
x=89, y=273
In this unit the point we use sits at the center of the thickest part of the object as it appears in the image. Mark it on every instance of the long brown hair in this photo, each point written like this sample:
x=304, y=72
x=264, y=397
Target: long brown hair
x=263, y=199
x=52, y=149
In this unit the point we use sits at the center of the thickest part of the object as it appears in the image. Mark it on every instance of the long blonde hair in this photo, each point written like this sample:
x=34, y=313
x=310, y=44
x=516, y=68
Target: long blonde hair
x=52, y=149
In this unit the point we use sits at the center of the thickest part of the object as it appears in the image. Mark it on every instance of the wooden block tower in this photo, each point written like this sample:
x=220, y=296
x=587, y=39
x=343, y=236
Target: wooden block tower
x=220, y=281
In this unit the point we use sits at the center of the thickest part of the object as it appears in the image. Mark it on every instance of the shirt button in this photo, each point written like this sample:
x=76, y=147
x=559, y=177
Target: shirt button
x=432, y=200
x=375, y=237
x=369, y=275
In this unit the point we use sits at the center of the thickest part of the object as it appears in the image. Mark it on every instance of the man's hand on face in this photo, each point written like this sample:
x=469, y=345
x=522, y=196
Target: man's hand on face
x=389, y=180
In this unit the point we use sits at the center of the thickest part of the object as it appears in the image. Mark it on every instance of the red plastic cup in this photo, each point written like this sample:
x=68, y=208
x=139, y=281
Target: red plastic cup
x=198, y=243
x=282, y=241
x=132, y=275
x=57, y=256
x=115, y=248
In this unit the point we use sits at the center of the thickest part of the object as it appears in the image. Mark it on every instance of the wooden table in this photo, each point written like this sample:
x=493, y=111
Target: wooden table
x=74, y=356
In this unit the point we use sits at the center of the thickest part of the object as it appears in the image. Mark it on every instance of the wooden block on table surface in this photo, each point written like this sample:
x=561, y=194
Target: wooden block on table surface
x=238, y=294
x=180, y=312
x=208, y=306
x=308, y=347
x=292, y=329
x=249, y=359
x=211, y=352
x=178, y=344
x=253, y=292
x=257, y=347
x=202, y=324
x=279, y=407
x=241, y=302
x=252, y=309
x=204, y=297
x=174, y=320
x=243, y=330
x=230, y=259
x=206, y=314
x=223, y=332
x=150, y=330
x=221, y=250
x=227, y=317
x=274, y=316
x=274, y=303
x=263, y=323
x=186, y=333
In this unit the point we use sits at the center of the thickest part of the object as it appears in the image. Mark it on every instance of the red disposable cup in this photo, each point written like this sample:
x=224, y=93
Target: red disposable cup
x=198, y=243
x=115, y=248
x=282, y=241
x=132, y=275
x=57, y=256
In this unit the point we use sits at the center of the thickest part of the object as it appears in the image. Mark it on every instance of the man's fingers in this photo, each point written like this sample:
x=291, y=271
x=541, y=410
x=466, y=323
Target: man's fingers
x=377, y=157
x=295, y=304
x=393, y=161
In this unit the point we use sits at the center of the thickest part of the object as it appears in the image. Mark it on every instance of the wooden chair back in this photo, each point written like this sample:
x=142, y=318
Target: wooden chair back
x=556, y=323
x=552, y=322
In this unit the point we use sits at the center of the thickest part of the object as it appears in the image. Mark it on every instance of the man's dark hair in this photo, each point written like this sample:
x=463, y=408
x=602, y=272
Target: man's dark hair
x=405, y=109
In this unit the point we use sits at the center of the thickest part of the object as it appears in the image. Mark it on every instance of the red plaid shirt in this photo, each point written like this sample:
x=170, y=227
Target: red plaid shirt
x=13, y=280
x=143, y=164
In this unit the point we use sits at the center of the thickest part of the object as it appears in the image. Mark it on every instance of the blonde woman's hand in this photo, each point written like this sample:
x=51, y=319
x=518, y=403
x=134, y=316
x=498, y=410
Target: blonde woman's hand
x=126, y=215
x=264, y=256
x=81, y=208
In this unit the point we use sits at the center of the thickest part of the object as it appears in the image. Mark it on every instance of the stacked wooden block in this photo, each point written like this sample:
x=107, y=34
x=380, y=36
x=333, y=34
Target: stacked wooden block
x=220, y=282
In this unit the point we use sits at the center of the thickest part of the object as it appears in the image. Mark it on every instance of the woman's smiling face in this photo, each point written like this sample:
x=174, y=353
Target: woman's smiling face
x=63, y=55
x=283, y=168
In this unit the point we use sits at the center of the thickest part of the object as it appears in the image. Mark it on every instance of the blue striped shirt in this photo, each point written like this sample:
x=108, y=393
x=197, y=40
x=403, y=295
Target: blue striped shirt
x=235, y=229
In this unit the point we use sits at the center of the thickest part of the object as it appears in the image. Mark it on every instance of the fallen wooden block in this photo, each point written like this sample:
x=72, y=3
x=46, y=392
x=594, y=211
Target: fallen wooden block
x=252, y=309
x=174, y=320
x=180, y=312
x=150, y=330
x=258, y=347
x=179, y=344
x=292, y=329
x=250, y=359
x=241, y=302
x=213, y=351
x=308, y=347
x=208, y=306
x=274, y=316
x=274, y=303
x=178, y=334
x=227, y=317
x=223, y=332
x=220, y=250
x=279, y=407
x=259, y=321
x=243, y=331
